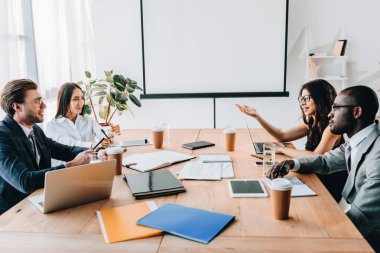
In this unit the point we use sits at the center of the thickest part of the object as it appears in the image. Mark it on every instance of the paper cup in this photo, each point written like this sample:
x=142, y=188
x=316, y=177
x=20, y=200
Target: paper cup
x=158, y=137
x=230, y=138
x=117, y=154
x=281, y=189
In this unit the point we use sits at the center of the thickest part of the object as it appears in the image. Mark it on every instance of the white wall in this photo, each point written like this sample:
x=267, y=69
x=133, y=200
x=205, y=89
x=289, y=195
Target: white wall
x=118, y=47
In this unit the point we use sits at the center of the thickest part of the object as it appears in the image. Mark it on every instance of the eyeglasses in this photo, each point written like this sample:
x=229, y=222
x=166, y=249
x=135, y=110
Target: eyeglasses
x=39, y=101
x=335, y=108
x=305, y=99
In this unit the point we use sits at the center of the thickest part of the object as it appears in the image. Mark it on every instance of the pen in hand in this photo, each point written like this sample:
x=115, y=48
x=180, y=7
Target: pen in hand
x=98, y=144
x=104, y=132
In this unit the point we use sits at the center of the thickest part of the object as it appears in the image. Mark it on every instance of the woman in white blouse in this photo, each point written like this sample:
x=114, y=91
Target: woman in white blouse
x=70, y=126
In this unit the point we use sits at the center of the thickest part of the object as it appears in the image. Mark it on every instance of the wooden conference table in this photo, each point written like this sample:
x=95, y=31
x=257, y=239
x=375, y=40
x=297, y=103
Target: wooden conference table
x=316, y=223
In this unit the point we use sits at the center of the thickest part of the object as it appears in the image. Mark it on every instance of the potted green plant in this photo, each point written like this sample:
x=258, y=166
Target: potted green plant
x=111, y=94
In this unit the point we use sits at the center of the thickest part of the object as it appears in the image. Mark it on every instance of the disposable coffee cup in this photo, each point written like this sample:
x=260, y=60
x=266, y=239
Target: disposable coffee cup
x=230, y=138
x=281, y=189
x=117, y=154
x=158, y=137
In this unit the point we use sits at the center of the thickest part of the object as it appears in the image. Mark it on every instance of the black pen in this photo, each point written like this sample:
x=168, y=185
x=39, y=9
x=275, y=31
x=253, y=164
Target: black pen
x=257, y=156
x=98, y=144
x=104, y=132
x=129, y=164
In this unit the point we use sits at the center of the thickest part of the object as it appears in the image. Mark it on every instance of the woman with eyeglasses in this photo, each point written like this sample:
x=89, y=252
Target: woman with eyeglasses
x=315, y=99
x=70, y=126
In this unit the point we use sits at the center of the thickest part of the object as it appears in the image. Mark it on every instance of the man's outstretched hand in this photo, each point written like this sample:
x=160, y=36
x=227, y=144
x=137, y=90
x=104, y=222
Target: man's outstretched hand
x=280, y=169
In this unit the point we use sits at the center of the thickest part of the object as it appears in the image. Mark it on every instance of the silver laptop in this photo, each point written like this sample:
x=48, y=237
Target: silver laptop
x=75, y=186
x=259, y=146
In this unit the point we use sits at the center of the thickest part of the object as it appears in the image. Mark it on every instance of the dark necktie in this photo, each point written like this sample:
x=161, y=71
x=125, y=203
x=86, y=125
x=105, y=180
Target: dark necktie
x=34, y=146
x=347, y=154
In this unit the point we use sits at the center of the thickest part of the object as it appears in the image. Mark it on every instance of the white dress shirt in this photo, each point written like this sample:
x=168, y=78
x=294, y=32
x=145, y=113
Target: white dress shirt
x=358, y=139
x=82, y=133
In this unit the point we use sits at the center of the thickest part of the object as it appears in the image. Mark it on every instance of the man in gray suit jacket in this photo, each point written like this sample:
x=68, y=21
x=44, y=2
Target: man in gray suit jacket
x=25, y=151
x=353, y=113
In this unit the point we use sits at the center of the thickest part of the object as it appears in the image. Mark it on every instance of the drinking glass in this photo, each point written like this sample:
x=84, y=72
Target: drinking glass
x=95, y=158
x=165, y=125
x=269, y=156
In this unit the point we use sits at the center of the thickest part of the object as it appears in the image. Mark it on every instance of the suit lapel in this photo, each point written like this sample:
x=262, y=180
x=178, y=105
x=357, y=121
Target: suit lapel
x=17, y=130
x=364, y=149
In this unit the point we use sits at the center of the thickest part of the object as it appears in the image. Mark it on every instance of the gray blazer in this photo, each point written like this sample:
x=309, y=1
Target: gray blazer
x=362, y=189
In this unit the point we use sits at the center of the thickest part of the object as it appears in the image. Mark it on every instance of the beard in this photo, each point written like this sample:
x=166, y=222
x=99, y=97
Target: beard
x=342, y=127
x=34, y=118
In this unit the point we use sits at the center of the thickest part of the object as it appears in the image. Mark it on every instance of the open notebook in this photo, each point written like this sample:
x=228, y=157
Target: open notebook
x=154, y=160
x=299, y=188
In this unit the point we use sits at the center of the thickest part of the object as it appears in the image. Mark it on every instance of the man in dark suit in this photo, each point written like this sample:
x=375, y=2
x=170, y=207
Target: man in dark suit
x=353, y=113
x=25, y=151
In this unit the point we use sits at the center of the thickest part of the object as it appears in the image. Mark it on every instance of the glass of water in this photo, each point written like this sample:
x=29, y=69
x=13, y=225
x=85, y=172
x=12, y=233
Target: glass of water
x=269, y=157
x=165, y=125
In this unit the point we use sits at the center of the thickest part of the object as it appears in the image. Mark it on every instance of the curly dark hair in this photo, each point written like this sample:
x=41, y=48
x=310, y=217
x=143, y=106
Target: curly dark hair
x=323, y=94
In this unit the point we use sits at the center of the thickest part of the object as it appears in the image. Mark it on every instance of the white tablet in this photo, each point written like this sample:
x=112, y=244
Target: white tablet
x=241, y=188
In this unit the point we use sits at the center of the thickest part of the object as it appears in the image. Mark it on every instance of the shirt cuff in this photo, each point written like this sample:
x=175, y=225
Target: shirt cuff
x=297, y=164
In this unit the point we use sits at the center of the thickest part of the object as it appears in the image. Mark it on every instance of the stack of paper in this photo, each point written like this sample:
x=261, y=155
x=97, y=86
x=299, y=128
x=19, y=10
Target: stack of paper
x=299, y=188
x=153, y=184
x=191, y=223
x=201, y=171
x=119, y=223
x=155, y=160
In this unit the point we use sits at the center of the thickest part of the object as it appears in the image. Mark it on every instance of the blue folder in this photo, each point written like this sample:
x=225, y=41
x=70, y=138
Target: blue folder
x=191, y=223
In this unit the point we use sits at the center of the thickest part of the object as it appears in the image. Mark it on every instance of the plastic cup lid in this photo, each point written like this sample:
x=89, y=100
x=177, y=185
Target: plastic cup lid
x=281, y=184
x=114, y=150
x=229, y=130
x=157, y=129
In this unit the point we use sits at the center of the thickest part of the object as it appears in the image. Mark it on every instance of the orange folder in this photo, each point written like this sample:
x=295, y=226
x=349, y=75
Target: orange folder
x=119, y=223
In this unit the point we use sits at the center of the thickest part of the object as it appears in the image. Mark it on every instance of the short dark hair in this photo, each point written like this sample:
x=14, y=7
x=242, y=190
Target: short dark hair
x=366, y=98
x=64, y=97
x=15, y=92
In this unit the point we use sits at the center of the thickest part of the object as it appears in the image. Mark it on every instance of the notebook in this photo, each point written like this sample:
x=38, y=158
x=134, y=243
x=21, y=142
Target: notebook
x=215, y=158
x=299, y=188
x=154, y=160
x=201, y=171
x=153, y=184
x=198, y=144
x=191, y=223
x=119, y=223
x=223, y=159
